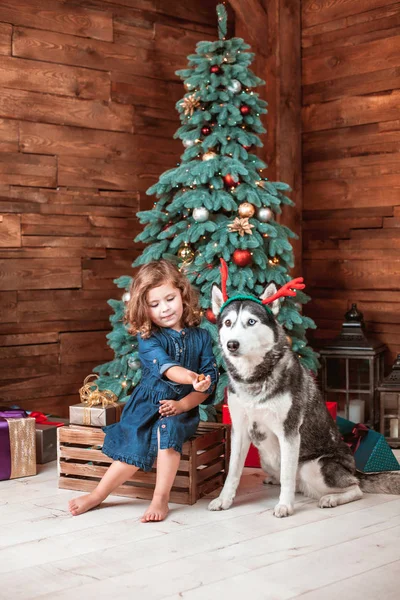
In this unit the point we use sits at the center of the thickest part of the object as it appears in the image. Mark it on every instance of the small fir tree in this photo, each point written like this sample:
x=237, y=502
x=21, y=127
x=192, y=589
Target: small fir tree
x=216, y=204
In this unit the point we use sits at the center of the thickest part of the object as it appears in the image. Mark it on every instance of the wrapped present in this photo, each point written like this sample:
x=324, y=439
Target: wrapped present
x=46, y=436
x=371, y=451
x=332, y=408
x=17, y=444
x=95, y=416
x=97, y=408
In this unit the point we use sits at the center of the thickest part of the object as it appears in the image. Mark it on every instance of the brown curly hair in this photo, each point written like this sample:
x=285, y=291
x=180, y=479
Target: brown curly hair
x=154, y=274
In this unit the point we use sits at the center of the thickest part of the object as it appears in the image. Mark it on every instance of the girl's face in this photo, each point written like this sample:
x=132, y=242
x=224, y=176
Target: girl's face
x=165, y=306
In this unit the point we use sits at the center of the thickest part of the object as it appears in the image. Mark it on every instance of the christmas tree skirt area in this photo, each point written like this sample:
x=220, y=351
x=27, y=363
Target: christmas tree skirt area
x=203, y=466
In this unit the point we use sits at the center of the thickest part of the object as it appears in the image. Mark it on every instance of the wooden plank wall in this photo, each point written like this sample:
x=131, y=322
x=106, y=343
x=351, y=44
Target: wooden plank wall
x=87, y=97
x=351, y=163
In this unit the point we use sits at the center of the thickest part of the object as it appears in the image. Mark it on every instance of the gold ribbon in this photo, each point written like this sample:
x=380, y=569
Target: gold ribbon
x=91, y=396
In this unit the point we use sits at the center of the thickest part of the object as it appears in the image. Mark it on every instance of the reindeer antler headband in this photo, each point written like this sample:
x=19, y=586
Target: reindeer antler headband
x=289, y=289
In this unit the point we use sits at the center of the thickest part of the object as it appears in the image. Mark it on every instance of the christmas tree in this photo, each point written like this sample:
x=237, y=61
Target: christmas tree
x=216, y=204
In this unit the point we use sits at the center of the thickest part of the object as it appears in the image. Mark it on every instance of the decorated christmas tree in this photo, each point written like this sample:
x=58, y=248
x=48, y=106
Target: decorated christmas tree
x=216, y=203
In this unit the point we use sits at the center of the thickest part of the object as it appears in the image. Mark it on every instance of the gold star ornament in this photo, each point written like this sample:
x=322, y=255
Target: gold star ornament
x=189, y=103
x=242, y=226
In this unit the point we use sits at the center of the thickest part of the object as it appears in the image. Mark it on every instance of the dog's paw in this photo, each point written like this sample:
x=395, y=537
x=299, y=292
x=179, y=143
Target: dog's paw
x=271, y=480
x=328, y=501
x=283, y=510
x=220, y=503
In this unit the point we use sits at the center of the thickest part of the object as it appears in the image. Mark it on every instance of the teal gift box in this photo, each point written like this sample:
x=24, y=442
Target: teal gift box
x=373, y=453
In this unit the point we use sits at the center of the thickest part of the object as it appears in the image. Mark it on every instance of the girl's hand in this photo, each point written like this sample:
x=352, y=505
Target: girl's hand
x=203, y=384
x=170, y=408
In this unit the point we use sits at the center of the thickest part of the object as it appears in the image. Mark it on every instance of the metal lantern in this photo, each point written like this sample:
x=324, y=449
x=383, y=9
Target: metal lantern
x=352, y=368
x=389, y=393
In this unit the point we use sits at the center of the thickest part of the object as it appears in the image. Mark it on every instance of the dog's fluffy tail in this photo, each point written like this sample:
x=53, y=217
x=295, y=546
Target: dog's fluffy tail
x=387, y=482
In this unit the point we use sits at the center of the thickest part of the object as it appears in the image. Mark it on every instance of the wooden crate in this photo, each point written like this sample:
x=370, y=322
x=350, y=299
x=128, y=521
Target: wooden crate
x=203, y=467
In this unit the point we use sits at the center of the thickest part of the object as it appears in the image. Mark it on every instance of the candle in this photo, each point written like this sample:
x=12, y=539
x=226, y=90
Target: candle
x=356, y=411
x=394, y=428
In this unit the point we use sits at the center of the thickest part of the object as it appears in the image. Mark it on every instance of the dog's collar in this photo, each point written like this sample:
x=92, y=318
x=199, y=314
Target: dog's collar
x=243, y=297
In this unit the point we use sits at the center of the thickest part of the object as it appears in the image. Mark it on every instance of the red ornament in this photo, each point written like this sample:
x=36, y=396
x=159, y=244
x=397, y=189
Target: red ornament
x=229, y=181
x=247, y=148
x=215, y=69
x=242, y=258
x=206, y=130
x=245, y=110
x=210, y=316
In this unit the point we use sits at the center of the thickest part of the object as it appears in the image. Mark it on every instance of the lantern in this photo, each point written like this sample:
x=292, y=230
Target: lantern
x=352, y=368
x=389, y=395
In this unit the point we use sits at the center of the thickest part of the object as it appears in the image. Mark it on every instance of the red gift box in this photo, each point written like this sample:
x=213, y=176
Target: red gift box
x=332, y=407
x=253, y=458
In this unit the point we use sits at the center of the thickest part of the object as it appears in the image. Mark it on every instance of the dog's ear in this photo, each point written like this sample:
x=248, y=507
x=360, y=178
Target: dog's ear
x=217, y=299
x=270, y=290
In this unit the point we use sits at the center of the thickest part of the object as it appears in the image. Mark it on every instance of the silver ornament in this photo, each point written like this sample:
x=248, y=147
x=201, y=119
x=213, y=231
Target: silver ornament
x=200, y=215
x=188, y=143
x=235, y=86
x=134, y=364
x=264, y=214
x=208, y=156
x=126, y=297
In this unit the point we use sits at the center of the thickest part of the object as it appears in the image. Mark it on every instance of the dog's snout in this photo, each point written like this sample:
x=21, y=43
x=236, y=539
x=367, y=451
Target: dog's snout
x=233, y=345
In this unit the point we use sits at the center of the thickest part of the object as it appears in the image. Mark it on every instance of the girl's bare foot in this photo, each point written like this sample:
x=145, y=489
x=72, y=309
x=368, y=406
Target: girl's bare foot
x=157, y=510
x=82, y=504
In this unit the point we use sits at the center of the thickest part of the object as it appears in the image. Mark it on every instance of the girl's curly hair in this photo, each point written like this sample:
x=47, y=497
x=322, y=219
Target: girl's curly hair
x=154, y=274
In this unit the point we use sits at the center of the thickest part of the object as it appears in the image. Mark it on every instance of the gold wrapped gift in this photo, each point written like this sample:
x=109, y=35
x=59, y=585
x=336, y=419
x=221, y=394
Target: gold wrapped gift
x=97, y=408
x=21, y=457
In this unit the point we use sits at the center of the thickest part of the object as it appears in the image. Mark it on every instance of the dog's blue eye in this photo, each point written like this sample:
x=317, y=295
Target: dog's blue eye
x=251, y=322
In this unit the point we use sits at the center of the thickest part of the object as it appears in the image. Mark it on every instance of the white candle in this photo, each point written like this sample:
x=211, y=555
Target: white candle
x=356, y=411
x=394, y=428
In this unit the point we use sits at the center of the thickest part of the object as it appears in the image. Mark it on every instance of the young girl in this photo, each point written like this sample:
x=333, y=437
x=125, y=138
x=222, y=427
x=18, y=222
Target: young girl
x=162, y=411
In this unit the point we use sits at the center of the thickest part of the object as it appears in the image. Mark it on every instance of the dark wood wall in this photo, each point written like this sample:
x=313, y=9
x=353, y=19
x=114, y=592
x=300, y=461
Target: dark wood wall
x=87, y=97
x=351, y=163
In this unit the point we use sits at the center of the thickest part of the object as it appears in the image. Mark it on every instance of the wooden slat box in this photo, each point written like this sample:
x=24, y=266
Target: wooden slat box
x=203, y=467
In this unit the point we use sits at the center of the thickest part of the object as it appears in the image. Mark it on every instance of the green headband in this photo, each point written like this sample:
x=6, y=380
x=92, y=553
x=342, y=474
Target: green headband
x=245, y=297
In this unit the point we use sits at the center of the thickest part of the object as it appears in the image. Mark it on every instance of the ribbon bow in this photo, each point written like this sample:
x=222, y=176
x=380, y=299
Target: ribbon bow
x=91, y=395
x=355, y=436
x=41, y=419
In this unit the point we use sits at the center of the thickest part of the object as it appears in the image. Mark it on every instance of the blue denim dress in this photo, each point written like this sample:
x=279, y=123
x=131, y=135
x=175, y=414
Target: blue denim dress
x=134, y=439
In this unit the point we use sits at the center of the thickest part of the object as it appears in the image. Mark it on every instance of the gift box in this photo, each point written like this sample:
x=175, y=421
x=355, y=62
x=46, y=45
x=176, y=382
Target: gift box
x=46, y=436
x=17, y=444
x=371, y=451
x=332, y=408
x=95, y=416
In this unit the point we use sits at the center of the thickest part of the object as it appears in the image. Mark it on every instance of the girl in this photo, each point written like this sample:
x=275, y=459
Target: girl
x=162, y=411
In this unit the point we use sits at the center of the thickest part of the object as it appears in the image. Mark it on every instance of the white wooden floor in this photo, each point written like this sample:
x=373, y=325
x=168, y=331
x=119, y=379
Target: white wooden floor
x=350, y=552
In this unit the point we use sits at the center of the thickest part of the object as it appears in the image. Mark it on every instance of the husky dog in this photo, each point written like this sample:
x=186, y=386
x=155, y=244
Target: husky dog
x=275, y=404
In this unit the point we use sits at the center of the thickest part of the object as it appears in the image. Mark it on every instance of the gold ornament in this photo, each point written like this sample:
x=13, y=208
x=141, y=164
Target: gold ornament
x=186, y=254
x=274, y=261
x=289, y=339
x=242, y=226
x=209, y=155
x=246, y=210
x=189, y=103
x=188, y=86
